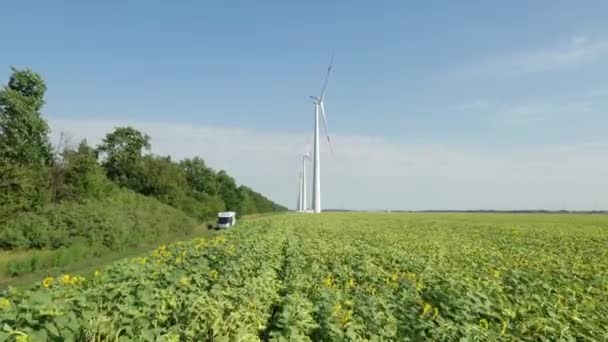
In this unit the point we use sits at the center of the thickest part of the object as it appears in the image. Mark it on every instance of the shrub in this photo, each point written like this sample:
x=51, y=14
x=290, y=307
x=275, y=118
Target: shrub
x=114, y=222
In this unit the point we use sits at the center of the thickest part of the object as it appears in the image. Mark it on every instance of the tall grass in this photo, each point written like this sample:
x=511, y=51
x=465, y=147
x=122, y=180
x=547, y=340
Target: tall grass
x=69, y=233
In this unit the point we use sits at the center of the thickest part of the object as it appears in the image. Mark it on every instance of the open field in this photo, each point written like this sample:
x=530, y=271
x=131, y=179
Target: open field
x=340, y=277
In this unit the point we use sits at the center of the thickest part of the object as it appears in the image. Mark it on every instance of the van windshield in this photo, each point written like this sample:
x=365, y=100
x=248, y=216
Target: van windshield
x=223, y=220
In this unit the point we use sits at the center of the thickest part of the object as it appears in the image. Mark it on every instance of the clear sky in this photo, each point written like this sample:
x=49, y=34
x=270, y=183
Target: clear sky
x=432, y=104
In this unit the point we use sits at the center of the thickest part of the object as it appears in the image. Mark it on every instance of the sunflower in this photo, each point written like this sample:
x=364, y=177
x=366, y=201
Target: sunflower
x=66, y=279
x=22, y=338
x=335, y=311
x=5, y=304
x=76, y=280
x=505, y=326
x=213, y=274
x=427, y=308
x=47, y=282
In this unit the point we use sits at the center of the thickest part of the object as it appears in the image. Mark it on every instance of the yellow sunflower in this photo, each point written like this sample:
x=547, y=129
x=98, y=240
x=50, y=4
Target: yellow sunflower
x=47, y=282
x=5, y=304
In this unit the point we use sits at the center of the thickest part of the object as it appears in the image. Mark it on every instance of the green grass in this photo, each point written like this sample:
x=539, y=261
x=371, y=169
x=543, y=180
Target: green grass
x=22, y=268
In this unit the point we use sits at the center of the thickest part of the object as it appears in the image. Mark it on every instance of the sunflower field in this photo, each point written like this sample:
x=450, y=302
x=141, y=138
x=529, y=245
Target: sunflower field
x=340, y=277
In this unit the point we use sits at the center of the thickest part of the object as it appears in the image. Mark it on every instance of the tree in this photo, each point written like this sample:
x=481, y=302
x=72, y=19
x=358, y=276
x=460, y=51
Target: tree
x=123, y=151
x=31, y=174
x=228, y=190
x=82, y=176
x=247, y=203
x=169, y=182
x=211, y=205
x=23, y=132
x=200, y=177
x=25, y=150
x=163, y=179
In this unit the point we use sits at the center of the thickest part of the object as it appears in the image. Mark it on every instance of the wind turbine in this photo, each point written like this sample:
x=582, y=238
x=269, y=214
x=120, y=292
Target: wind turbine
x=299, y=202
x=316, y=176
x=303, y=190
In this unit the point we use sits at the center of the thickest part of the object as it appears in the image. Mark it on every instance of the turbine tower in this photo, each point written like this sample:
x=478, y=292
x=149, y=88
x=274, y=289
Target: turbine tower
x=304, y=204
x=316, y=176
x=299, y=201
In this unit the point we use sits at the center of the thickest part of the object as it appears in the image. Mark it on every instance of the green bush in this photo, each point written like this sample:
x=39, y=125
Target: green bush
x=121, y=219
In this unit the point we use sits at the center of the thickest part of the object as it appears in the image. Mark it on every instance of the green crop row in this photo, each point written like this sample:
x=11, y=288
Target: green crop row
x=341, y=277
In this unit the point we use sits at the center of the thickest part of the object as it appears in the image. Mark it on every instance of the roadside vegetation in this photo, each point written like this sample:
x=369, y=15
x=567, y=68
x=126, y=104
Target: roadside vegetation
x=60, y=204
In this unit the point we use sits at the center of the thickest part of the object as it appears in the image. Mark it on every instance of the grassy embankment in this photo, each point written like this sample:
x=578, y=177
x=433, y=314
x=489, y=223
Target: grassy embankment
x=76, y=259
x=24, y=267
x=79, y=237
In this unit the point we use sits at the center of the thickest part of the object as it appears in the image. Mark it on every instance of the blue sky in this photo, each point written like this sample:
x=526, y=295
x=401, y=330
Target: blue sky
x=487, y=78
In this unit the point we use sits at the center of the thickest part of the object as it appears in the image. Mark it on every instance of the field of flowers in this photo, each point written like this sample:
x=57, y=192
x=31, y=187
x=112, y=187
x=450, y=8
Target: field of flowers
x=340, y=277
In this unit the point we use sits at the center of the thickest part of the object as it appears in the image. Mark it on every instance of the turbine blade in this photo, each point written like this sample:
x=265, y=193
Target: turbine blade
x=331, y=63
x=325, y=126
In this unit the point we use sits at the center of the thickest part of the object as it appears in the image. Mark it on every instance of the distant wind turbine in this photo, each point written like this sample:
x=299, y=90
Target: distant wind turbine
x=299, y=202
x=316, y=176
x=304, y=204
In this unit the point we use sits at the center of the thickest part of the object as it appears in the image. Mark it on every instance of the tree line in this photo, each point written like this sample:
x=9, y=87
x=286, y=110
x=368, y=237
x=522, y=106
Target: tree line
x=36, y=176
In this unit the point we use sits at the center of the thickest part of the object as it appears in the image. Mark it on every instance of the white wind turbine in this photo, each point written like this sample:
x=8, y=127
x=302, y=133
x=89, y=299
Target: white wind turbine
x=316, y=176
x=303, y=203
x=299, y=202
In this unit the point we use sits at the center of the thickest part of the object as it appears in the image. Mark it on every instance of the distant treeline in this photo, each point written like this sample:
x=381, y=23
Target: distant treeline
x=478, y=211
x=51, y=195
x=519, y=211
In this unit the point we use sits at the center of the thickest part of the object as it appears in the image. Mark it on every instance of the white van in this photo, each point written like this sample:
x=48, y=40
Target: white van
x=226, y=220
